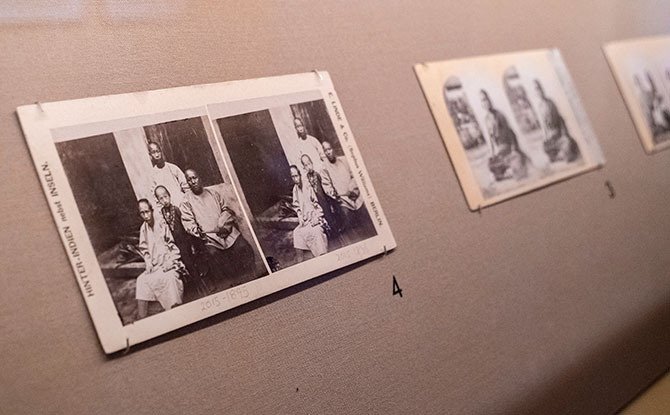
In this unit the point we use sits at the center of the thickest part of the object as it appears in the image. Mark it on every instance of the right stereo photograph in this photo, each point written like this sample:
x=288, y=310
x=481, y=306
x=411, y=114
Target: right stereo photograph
x=511, y=123
x=641, y=68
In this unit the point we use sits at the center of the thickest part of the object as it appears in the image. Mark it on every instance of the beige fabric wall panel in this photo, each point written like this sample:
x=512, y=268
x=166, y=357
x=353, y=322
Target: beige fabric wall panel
x=554, y=302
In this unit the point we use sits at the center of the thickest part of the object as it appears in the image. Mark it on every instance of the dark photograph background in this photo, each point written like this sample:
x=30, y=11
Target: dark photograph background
x=258, y=158
x=101, y=188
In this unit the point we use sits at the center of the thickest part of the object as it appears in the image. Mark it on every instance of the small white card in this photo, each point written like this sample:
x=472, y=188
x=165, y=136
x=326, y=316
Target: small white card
x=641, y=68
x=512, y=123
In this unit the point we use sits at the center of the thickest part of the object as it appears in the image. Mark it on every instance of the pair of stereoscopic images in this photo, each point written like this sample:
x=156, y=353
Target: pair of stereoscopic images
x=177, y=204
x=511, y=123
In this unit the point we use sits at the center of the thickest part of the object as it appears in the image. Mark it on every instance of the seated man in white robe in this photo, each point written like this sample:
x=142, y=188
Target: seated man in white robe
x=309, y=235
x=205, y=215
x=339, y=183
x=160, y=280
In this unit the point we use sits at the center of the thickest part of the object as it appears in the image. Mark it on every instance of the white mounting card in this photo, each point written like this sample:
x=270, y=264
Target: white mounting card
x=177, y=204
x=512, y=123
x=641, y=68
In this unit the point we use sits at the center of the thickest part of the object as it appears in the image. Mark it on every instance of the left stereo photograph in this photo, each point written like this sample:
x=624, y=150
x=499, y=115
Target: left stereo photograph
x=177, y=204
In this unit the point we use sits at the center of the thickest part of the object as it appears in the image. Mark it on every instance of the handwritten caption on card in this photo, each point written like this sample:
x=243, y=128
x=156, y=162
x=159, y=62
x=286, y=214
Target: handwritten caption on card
x=232, y=294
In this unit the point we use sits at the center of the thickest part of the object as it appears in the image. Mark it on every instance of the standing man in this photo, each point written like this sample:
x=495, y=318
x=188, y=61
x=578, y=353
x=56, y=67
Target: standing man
x=309, y=234
x=308, y=144
x=339, y=183
x=160, y=280
x=166, y=174
x=206, y=216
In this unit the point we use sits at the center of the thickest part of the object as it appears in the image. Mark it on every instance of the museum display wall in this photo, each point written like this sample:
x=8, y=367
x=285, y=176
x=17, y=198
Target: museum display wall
x=557, y=301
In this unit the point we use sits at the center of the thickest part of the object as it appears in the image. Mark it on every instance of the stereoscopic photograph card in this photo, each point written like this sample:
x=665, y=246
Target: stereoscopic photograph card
x=511, y=123
x=174, y=205
x=641, y=68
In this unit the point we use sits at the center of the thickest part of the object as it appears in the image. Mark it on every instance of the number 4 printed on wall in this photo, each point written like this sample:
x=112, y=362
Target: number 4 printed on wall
x=396, y=287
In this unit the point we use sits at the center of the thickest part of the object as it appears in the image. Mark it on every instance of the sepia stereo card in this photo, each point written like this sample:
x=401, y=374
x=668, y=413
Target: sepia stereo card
x=511, y=123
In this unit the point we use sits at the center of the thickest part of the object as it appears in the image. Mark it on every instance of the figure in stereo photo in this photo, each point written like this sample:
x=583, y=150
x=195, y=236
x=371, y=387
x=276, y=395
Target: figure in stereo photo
x=301, y=193
x=655, y=106
x=161, y=214
x=512, y=129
